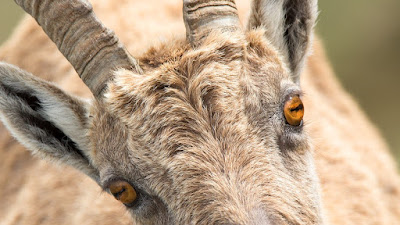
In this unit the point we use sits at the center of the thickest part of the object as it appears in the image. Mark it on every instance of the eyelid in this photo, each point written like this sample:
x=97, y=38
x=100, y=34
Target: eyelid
x=288, y=88
x=106, y=184
x=292, y=92
x=108, y=178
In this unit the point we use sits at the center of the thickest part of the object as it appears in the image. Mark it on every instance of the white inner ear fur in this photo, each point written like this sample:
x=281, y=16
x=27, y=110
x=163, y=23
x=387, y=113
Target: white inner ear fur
x=272, y=15
x=55, y=107
x=62, y=116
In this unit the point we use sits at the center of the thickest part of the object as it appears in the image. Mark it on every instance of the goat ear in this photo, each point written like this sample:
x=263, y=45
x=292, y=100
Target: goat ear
x=288, y=25
x=46, y=120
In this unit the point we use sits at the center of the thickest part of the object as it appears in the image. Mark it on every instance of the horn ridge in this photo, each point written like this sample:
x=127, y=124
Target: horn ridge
x=201, y=17
x=92, y=49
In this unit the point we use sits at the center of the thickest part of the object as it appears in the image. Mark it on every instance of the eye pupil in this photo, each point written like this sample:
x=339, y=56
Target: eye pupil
x=299, y=107
x=118, y=194
x=294, y=111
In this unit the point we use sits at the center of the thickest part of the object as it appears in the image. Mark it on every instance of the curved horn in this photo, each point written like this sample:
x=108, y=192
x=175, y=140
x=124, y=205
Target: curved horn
x=92, y=49
x=202, y=16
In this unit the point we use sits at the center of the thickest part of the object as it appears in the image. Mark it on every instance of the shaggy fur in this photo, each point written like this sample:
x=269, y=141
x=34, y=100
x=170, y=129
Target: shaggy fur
x=200, y=134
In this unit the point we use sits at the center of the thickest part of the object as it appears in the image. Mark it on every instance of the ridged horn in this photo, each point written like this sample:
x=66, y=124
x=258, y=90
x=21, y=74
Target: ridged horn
x=203, y=16
x=92, y=49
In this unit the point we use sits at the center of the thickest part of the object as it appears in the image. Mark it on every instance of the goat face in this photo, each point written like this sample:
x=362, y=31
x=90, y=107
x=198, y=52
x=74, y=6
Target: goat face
x=207, y=130
x=204, y=138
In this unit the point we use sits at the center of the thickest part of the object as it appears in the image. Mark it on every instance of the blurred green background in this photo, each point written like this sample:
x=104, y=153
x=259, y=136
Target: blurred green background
x=362, y=39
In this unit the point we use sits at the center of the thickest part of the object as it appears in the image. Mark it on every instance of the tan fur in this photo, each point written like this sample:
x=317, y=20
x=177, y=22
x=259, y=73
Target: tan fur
x=358, y=178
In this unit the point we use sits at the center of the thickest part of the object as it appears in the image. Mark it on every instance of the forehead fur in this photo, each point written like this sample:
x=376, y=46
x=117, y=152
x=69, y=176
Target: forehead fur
x=185, y=123
x=222, y=62
x=204, y=86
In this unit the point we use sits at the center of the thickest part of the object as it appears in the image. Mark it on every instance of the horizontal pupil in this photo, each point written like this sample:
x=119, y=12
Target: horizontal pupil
x=118, y=194
x=299, y=107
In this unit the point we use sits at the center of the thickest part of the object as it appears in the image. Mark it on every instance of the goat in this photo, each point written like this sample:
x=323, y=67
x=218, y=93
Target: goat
x=202, y=129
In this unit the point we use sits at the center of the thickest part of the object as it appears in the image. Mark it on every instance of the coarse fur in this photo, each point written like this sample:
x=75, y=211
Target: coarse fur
x=200, y=134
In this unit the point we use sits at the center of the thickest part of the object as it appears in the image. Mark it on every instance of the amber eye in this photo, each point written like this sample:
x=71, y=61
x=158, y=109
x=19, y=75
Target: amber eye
x=123, y=192
x=294, y=111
